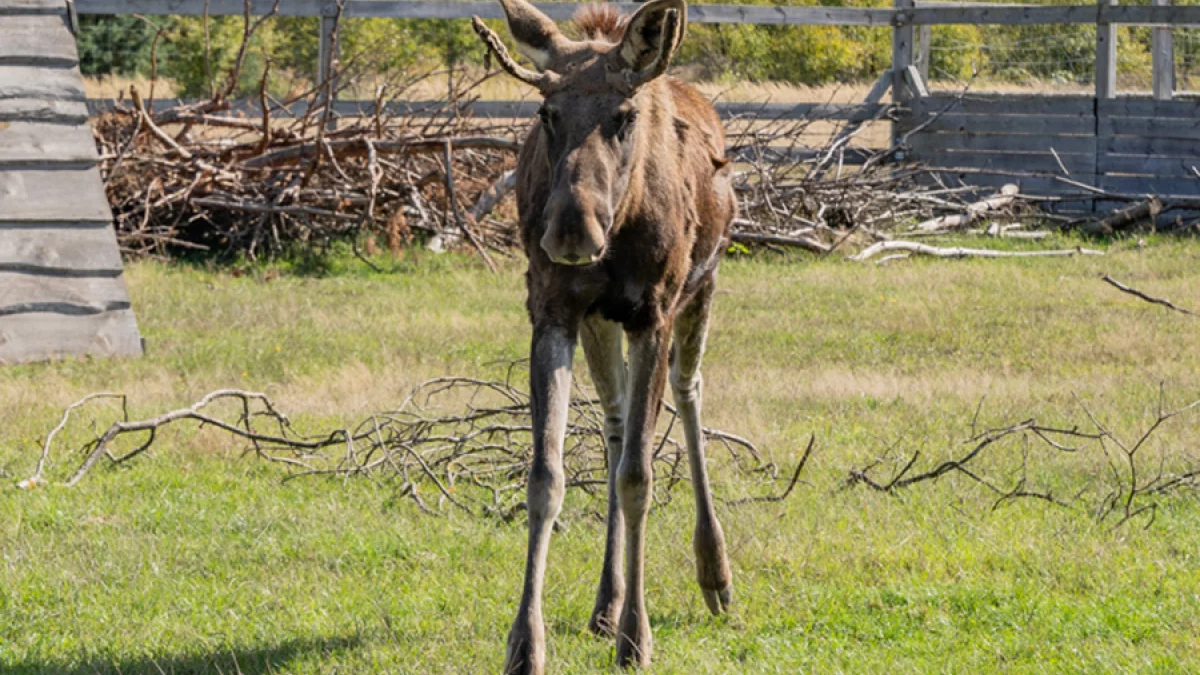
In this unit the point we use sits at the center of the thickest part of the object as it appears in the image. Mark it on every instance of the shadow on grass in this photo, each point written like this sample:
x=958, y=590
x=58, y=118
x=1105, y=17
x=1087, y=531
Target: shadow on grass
x=239, y=660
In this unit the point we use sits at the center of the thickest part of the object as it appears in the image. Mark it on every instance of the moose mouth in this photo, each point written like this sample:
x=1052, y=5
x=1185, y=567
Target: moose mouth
x=574, y=260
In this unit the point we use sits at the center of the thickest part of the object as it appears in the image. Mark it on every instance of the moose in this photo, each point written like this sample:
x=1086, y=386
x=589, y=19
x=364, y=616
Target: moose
x=626, y=205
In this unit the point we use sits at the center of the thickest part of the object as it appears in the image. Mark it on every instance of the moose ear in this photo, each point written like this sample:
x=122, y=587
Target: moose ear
x=644, y=36
x=535, y=34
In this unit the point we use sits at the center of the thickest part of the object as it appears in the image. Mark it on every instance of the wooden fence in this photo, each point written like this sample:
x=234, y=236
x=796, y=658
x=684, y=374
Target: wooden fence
x=1050, y=144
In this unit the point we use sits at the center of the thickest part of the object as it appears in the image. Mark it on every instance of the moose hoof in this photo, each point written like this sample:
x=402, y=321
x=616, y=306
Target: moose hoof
x=719, y=602
x=604, y=621
x=634, y=645
x=526, y=653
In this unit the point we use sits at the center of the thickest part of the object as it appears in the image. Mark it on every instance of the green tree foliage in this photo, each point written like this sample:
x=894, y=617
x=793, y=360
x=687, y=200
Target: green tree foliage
x=809, y=55
x=114, y=45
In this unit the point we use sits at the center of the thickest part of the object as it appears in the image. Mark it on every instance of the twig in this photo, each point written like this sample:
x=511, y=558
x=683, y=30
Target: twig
x=1148, y=298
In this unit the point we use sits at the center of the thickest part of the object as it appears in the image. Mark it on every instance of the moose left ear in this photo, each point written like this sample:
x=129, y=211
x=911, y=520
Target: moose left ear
x=644, y=36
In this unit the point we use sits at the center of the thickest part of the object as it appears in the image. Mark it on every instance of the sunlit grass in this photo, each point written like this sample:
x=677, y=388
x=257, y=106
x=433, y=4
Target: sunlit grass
x=195, y=559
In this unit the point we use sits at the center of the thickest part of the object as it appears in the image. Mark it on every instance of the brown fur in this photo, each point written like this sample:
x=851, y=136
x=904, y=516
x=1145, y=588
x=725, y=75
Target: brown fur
x=600, y=22
x=625, y=203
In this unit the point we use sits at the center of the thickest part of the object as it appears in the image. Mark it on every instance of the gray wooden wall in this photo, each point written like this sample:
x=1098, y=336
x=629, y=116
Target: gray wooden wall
x=1055, y=145
x=62, y=291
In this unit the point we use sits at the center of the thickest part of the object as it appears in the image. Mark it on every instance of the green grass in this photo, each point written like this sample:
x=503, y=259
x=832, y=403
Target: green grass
x=195, y=559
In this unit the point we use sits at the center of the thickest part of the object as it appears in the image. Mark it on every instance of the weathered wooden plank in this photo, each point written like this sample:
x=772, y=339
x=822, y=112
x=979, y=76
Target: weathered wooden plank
x=1167, y=167
x=1146, y=185
x=1026, y=15
x=35, y=337
x=716, y=13
x=32, y=109
x=43, y=82
x=1162, y=147
x=1162, y=50
x=559, y=11
x=933, y=142
x=72, y=194
x=36, y=39
x=60, y=249
x=22, y=292
x=1144, y=107
x=45, y=143
x=1005, y=104
x=507, y=109
x=1027, y=162
x=1106, y=54
x=1002, y=124
x=1149, y=127
x=12, y=7
x=1036, y=186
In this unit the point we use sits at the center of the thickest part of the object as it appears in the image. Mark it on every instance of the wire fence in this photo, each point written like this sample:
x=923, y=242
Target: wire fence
x=182, y=52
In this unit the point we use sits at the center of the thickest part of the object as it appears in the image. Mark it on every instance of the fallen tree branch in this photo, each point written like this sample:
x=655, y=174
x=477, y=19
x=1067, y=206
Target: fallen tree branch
x=779, y=240
x=960, y=252
x=470, y=441
x=355, y=147
x=1124, y=218
x=1148, y=298
x=973, y=211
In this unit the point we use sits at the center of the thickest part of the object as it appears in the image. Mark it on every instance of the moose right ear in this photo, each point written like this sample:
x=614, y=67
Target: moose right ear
x=537, y=37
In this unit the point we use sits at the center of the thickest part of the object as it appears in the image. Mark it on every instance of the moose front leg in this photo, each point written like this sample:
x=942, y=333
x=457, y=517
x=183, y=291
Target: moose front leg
x=635, y=482
x=550, y=390
x=602, y=345
x=708, y=542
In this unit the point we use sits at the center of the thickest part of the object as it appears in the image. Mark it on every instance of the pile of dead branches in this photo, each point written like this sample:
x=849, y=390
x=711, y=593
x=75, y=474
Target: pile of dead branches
x=234, y=178
x=455, y=442
x=240, y=179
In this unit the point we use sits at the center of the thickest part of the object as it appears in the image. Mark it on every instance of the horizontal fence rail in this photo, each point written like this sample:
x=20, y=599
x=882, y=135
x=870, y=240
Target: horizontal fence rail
x=514, y=109
x=926, y=14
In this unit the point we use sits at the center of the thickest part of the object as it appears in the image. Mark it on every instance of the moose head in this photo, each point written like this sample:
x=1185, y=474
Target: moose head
x=591, y=133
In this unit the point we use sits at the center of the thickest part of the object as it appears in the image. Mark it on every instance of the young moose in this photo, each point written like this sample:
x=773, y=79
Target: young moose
x=625, y=208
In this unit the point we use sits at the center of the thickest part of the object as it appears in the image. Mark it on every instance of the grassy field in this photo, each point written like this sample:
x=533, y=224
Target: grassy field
x=196, y=559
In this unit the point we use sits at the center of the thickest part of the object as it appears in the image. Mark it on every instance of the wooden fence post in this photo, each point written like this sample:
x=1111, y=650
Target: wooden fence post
x=1163, y=51
x=1106, y=55
x=327, y=55
x=924, y=50
x=902, y=49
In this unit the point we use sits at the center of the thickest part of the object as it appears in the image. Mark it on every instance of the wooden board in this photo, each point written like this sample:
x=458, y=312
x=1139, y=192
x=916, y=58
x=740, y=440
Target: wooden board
x=73, y=194
x=559, y=11
x=32, y=337
x=1140, y=107
x=38, y=143
x=1171, y=167
x=60, y=249
x=10, y=7
x=33, y=109
x=41, y=82
x=37, y=40
x=23, y=292
x=1002, y=124
x=1026, y=162
x=1141, y=185
x=1005, y=104
x=1150, y=127
x=1161, y=147
x=933, y=142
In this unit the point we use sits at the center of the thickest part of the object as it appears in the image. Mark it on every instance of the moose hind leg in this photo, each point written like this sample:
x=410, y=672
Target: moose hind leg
x=712, y=564
x=601, y=341
x=550, y=389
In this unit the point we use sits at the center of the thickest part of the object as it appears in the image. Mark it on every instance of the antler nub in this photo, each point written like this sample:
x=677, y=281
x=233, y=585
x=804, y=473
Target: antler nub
x=543, y=81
